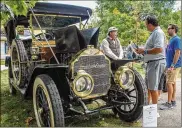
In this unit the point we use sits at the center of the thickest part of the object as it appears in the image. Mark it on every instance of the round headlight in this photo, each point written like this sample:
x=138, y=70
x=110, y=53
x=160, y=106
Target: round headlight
x=125, y=77
x=83, y=84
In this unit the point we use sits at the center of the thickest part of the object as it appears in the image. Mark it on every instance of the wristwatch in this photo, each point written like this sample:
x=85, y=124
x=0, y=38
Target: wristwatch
x=172, y=65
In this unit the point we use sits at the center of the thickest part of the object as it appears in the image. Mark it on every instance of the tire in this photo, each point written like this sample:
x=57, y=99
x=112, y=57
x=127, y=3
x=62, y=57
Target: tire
x=18, y=55
x=10, y=80
x=164, y=85
x=137, y=111
x=45, y=86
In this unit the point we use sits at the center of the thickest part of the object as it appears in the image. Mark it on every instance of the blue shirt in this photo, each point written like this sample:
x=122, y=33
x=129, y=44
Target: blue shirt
x=174, y=44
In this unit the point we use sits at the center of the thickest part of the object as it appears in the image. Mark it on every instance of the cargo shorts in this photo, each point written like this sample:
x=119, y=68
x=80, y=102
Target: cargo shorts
x=154, y=71
x=172, y=75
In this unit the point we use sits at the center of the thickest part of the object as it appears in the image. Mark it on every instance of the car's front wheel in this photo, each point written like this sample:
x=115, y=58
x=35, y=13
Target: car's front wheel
x=137, y=98
x=47, y=102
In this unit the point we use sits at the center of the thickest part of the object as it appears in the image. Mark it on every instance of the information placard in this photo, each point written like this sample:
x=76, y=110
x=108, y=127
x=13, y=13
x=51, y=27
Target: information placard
x=150, y=115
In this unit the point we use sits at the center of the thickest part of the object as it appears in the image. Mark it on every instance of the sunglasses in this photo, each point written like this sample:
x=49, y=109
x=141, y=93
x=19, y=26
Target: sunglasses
x=169, y=28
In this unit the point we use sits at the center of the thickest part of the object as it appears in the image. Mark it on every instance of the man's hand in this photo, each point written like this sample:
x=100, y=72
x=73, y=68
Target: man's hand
x=139, y=51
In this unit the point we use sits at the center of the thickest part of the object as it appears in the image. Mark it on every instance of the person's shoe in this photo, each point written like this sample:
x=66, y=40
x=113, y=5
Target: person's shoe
x=166, y=106
x=164, y=103
x=173, y=103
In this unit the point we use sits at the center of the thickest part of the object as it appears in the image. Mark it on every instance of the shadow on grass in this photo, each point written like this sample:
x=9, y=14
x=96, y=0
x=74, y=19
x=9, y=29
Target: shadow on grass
x=105, y=119
x=15, y=110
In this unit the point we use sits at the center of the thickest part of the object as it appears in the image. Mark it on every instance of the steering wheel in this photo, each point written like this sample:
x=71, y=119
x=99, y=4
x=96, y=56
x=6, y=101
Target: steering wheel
x=40, y=36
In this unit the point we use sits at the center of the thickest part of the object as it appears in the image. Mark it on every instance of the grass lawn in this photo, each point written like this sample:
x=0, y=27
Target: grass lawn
x=2, y=62
x=138, y=67
x=15, y=112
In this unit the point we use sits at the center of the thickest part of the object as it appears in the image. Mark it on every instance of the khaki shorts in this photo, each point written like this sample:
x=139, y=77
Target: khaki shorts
x=172, y=75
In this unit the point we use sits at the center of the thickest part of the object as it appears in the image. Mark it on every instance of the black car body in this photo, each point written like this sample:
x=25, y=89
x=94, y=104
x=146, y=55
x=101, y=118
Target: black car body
x=62, y=68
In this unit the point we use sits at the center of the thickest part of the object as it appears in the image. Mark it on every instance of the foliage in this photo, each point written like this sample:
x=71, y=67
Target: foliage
x=18, y=7
x=128, y=16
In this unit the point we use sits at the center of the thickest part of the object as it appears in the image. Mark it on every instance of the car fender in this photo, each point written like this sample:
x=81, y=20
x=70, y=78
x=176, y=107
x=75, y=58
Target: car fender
x=57, y=73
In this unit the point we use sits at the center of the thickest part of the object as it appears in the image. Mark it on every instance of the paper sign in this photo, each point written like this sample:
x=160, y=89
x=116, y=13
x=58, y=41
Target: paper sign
x=150, y=115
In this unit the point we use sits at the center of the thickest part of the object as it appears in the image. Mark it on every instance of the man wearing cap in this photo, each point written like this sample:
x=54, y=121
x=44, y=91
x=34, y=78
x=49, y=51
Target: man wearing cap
x=111, y=45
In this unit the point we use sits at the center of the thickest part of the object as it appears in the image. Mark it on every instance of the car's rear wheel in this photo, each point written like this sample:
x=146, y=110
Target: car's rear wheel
x=10, y=80
x=18, y=63
x=47, y=103
x=138, y=95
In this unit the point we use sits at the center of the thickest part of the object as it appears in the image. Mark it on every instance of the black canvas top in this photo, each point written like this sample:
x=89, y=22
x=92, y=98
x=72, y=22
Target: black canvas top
x=57, y=9
x=62, y=9
x=49, y=8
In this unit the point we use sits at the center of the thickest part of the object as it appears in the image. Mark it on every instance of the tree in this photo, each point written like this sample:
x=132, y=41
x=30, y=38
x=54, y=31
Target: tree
x=18, y=7
x=129, y=17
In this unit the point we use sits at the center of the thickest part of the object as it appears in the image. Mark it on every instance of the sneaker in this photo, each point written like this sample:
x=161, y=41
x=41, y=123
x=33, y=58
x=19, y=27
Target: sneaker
x=166, y=106
x=173, y=103
x=164, y=103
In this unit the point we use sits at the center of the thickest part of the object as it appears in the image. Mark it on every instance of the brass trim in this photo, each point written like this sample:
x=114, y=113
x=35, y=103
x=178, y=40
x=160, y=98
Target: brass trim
x=119, y=73
x=82, y=73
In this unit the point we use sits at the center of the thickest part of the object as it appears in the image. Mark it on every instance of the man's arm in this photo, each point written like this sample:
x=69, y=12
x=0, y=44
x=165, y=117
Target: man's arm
x=176, y=56
x=107, y=50
x=121, y=52
x=149, y=51
x=158, y=40
x=177, y=48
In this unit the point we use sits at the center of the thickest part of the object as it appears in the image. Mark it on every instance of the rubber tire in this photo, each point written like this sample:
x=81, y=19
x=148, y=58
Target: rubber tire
x=137, y=113
x=10, y=76
x=164, y=85
x=52, y=95
x=22, y=57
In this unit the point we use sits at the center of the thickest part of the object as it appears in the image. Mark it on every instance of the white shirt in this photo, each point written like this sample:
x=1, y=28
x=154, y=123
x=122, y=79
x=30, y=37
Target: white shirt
x=106, y=49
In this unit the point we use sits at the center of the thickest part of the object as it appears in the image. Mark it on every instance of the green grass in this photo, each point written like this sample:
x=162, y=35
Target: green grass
x=138, y=67
x=2, y=62
x=15, y=110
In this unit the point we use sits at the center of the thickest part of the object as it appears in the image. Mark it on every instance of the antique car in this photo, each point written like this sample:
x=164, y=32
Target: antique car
x=54, y=60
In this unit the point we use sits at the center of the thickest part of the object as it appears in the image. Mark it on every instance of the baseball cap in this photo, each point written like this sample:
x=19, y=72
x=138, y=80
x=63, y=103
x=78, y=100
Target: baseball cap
x=112, y=29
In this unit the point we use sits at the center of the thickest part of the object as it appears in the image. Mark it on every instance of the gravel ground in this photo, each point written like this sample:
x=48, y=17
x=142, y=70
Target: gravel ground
x=171, y=118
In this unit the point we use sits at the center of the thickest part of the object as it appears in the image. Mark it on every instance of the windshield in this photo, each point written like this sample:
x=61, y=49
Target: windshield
x=54, y=22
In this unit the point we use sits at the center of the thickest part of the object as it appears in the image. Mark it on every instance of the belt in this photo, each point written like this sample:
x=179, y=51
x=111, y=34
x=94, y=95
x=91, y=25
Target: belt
x=154, y=60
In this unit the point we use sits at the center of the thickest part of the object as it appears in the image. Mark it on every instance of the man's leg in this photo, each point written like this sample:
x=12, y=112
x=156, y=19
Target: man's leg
x=154, y=95
x=159, y=93
x=149, y=96
x=170, y=91
x=170, y=82
x=174, y=92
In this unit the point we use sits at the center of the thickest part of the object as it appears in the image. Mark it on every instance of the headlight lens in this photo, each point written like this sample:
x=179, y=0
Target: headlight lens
x=83, y=84
x=125, y=77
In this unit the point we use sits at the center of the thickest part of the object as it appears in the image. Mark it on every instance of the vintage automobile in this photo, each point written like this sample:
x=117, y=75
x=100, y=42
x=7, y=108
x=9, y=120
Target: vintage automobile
x=55, y=61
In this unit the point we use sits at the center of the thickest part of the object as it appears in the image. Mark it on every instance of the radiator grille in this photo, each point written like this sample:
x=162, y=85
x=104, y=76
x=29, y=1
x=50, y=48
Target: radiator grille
x=98, y=67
